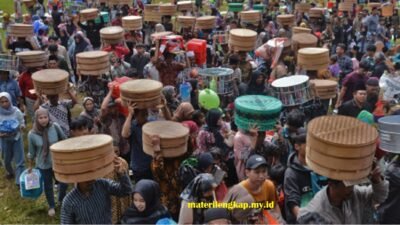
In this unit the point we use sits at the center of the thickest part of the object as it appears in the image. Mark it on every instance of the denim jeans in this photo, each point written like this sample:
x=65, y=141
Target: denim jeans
x=13, y=149
x=47, y=176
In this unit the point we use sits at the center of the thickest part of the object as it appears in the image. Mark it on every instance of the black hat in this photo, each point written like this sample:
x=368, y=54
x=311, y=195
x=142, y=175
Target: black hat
x=364, y=65
x=215, y=214
x=360, y=86
x=255, y=161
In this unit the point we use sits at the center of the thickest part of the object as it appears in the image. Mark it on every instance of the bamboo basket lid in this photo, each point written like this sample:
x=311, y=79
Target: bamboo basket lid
x=374, y=5
x=151, y=7
x=160, y=35
x=173, y=138
x=132, y=22
x=112, y=33
x=287, y=19
x=251, y=14
x=302, y=7
x=120, y=2
x=324, y=89
x=297, y=30
x=186, y=21
x=304, y=39
x=82, y=143
x=50, y=76
x=205, y=22
x=31, y=54
x=91, y=55
x=314, y=52
x=185, y=6
x=316, y=12
x=20, y=30
x=342, y=131
x=242, y=33
x=141, y=86
x=89, y=11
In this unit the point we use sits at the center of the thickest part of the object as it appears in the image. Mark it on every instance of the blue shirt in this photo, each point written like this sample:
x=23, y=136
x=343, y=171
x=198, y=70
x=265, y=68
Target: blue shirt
x=140, y=161
x=11, y=87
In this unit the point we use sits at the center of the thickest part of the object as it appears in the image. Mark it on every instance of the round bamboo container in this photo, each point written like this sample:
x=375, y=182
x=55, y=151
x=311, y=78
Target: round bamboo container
x=33, y=59
x=186, y=21
x=242, y=39
x=287, y=19
x=324, y=89
x=316, y=12
x=88, y=14
x=297, y=30
x=132, y=22
x=252, y=16
x=173, y=138
x=112, y=35
x=83, y=158
x=303, y=40
x=185, y=6
x=167, y=9
x=340, y=147
x=120, y=2
x=144, y=92
x=159, y=35
x=387, y=10
x=313, y=58
x=205, y=22
x=372, y=5
x=20, y=30
x=346, y=6
x=50, y=81
x=151, y=13
x=302, y=7
x=93, y=63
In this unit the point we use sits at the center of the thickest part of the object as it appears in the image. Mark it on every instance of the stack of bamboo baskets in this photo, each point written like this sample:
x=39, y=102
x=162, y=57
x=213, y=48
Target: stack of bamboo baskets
x=112, y=35
x=88, y=14
x=50, y=81
x=313, y=58
x=132, y=22
x=242, y=39
x=143, y=92
x=93, y=63
x=286, y=20
x=252, y=16
x=205, y=22
x=20, y=30
x=33, y=59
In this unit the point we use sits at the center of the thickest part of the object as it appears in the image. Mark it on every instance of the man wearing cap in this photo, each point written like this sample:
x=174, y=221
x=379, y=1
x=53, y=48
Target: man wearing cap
x=345, y=202
x=350, y=81
x=257, y=184
x=380, y=65
x=359, y=102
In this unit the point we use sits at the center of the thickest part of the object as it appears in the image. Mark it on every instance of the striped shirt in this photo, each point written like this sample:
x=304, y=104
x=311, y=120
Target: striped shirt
x=95, y=208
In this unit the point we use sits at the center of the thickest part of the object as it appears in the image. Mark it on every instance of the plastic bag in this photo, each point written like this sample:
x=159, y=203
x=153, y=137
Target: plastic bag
x=31, y=184
x=9, y=126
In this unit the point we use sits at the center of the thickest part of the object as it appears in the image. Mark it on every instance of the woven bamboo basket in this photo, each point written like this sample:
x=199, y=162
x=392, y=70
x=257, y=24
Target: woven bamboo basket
x=93, y=63
x=132, y=22
x=173, y=138
x=351, y=1
x=167, y=9
x=324, y=89
x=120, y=2
x=297, y=30
x=88, y=14
x=20, y=30
x=387, y=10
x=340, y=147
x=316, y=12
x=112, y=35
x=186, y=21
x=205, y=22
x=313, y=58
x=287, y=19
x=303, y=40
x=242, y=39
x=302, y=7
x=145, y=93
x=50, y=81
x=185, y=6
x=83, y=158
x=346, y=6
x=151, y=13
x=252, y=16
x=32, y=59
x=372, y=5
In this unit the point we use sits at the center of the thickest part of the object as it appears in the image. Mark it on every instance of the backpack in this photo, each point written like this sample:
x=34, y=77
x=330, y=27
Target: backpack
x=188, y=171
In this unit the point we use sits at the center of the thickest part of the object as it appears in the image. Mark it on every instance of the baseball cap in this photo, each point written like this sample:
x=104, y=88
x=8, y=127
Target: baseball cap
x=255, y=161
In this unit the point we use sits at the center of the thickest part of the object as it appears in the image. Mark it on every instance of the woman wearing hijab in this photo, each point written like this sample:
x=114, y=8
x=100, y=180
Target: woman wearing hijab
x=183, y=112
x=210, y=135
x=44, y=133
x=146, y=208
x=169, y=93
x=11, y=121
x=200, y=189
x=91, y=113
x=256, y=84
x=80, y=44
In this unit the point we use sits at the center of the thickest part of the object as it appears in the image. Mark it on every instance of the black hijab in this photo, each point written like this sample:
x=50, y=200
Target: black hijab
x=82, y=45
x=151, y=193
x=212, y=117
x=254, y=88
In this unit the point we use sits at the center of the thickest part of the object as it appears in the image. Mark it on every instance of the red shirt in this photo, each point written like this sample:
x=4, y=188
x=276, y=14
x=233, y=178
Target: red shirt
x=116, y=22
x=25, y=83
x=119, y=51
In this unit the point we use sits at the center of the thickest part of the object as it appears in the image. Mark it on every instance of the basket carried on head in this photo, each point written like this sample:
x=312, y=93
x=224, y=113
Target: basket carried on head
x=112, y=35
x=88, y=14
x=313, y=58
x=151, y=13
x=242, y=39
x=32, y=59
x=302, y=7
x=93, y=63
x=20, y=30
x=144, y=93
x=285, y=20
x=50, y=81
x=132, y=22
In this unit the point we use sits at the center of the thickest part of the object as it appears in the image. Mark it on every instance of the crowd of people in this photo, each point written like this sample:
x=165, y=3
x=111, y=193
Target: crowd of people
x=223, y=163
